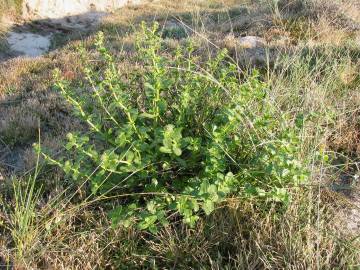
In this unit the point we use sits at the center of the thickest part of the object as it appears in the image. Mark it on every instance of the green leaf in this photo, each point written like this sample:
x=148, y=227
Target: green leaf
x=147, y=222
x=177, y=151
x=151, y=207
x=204, y=186
x=191, y=220
x=212, y=189
x=153, y=229
x=149, y=86
x=67, y=167
x=147, y=115
x=165, y=150
x=208, y=207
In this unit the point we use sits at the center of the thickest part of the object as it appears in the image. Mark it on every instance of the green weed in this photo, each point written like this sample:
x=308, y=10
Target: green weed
x=179, y=136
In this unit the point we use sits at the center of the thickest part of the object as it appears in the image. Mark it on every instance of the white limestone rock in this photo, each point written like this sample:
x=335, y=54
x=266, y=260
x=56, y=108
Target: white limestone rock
x=251, y=42
x=61, y=8
x=253, y=51
x=28, y=44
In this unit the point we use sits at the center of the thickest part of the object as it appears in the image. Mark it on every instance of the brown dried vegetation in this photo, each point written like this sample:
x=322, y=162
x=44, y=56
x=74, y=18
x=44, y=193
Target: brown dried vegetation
x=314, y=71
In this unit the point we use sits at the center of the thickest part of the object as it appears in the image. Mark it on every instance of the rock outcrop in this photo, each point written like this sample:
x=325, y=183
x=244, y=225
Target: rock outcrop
x=62, y=8
x=58, y=16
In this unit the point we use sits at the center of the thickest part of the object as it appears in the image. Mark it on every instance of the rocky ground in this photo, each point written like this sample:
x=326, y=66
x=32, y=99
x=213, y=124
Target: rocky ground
x=34, y=38
x=256, y=36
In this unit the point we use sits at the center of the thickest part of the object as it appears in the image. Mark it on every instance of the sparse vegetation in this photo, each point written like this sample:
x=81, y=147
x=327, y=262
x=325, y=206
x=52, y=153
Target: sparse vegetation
x=10, y=7
x=179, y=154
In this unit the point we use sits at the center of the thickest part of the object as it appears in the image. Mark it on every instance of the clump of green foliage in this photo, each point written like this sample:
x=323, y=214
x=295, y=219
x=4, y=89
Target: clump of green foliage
x=177, y=137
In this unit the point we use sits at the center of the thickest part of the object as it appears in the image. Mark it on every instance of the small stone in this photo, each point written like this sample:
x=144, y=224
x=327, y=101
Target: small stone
x=250, y=42
x=252, y=51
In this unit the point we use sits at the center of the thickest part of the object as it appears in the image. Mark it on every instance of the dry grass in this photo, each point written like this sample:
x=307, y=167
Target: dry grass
x=237, y=236
x=316, y=75
x=10, y=7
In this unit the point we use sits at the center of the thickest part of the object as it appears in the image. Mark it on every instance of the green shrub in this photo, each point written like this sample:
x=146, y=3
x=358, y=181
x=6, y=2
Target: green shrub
x=177, y=136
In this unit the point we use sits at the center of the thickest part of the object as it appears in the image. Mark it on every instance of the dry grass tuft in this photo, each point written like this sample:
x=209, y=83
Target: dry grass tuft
x=315, y=76
x=240, y=236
